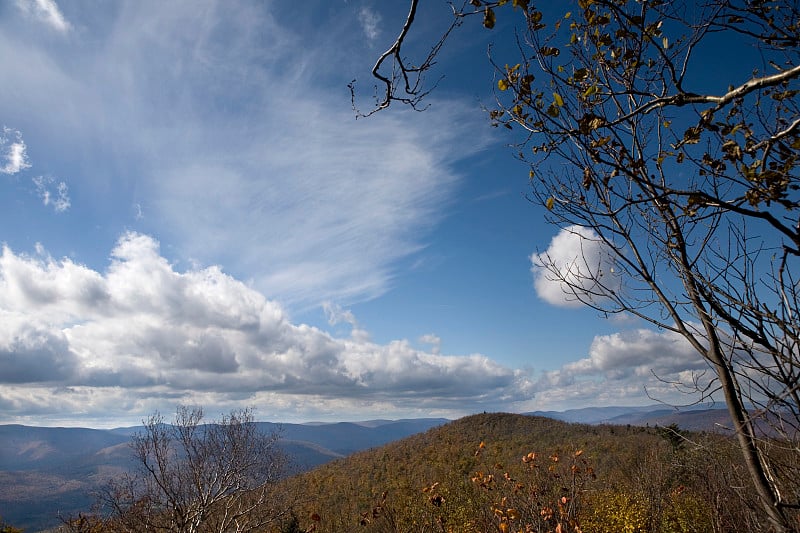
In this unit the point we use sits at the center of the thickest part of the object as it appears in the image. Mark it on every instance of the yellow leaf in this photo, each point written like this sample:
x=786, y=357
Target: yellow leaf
x=558, y=100
x=489, y=18
x=580, y=74
x=502, y=85
x=602, y=141
x=550, y=203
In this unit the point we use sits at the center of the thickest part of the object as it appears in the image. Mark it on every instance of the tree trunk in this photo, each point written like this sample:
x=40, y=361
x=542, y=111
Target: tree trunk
x=746, y=437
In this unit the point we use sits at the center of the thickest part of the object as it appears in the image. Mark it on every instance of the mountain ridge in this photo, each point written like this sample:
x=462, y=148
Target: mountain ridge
x=46, y=470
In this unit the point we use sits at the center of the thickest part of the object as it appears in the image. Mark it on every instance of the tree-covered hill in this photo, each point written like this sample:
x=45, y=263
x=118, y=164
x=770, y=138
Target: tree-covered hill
x=505, y=472
x=482, y=473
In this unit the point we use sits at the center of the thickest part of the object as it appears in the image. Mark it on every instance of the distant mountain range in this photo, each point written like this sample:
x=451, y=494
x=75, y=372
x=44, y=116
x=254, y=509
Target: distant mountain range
x=51, y=472
x=695, y=418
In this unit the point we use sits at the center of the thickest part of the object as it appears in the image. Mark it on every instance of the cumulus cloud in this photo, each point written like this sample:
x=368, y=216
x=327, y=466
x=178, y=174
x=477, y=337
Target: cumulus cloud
x=47, y=12
x=31, y=352
x=576, y=267
x=637, y=353
x=13, y=156
x=621, y=365
x=155, y=332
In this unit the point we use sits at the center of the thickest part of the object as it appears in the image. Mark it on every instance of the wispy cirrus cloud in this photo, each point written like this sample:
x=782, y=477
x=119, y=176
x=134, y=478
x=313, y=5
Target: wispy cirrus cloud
x=370, y=22
x=238, y=146
x=46, y=11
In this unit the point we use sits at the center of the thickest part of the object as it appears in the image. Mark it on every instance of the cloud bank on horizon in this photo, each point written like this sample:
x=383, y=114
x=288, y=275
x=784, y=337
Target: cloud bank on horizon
x=75, y=343
x=159, y=334
x=227, y=135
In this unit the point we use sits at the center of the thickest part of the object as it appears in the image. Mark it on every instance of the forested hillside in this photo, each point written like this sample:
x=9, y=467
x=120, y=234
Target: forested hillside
x=504, y=472
x=485, y=473
x=50, y=472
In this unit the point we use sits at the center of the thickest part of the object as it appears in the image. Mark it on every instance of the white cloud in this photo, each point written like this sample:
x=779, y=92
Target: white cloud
x=637, y=353
x=14, y=151
x=433, y=340
x=155, y=332
x=46, y=11
x=13, y=156
x=576, y=267
x=58, y=197
x=620, y=366
x=240, y=143
x=369, y=21
x=336, y=315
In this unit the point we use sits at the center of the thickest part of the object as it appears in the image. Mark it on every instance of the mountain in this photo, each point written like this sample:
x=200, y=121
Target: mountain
x=717, y=420
x=345, y=438
x=698, y=418
x=473, y=472
x=26, y=447
x=592, y=415
x=46, y=472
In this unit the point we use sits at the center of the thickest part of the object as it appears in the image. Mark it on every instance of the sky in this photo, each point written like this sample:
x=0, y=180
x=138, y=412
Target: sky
x=191, y=213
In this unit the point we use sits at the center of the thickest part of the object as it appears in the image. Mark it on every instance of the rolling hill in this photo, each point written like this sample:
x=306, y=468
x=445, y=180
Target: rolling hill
x=481, y=471
x=50, y=472
x=45, y=472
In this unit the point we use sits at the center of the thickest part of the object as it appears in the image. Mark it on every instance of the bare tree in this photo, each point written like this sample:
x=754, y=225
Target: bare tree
x=690, y=196
x=197, y=477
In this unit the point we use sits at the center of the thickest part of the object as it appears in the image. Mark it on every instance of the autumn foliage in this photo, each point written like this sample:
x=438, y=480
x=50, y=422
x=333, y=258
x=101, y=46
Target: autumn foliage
x=503, y=473
x=513, y=473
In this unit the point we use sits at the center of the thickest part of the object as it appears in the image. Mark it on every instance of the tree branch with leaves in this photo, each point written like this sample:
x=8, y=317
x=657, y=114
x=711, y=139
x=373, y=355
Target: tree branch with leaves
x=692, y=194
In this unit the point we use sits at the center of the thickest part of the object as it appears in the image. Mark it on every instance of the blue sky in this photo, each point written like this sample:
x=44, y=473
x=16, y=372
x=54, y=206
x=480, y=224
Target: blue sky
x=191, y=213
